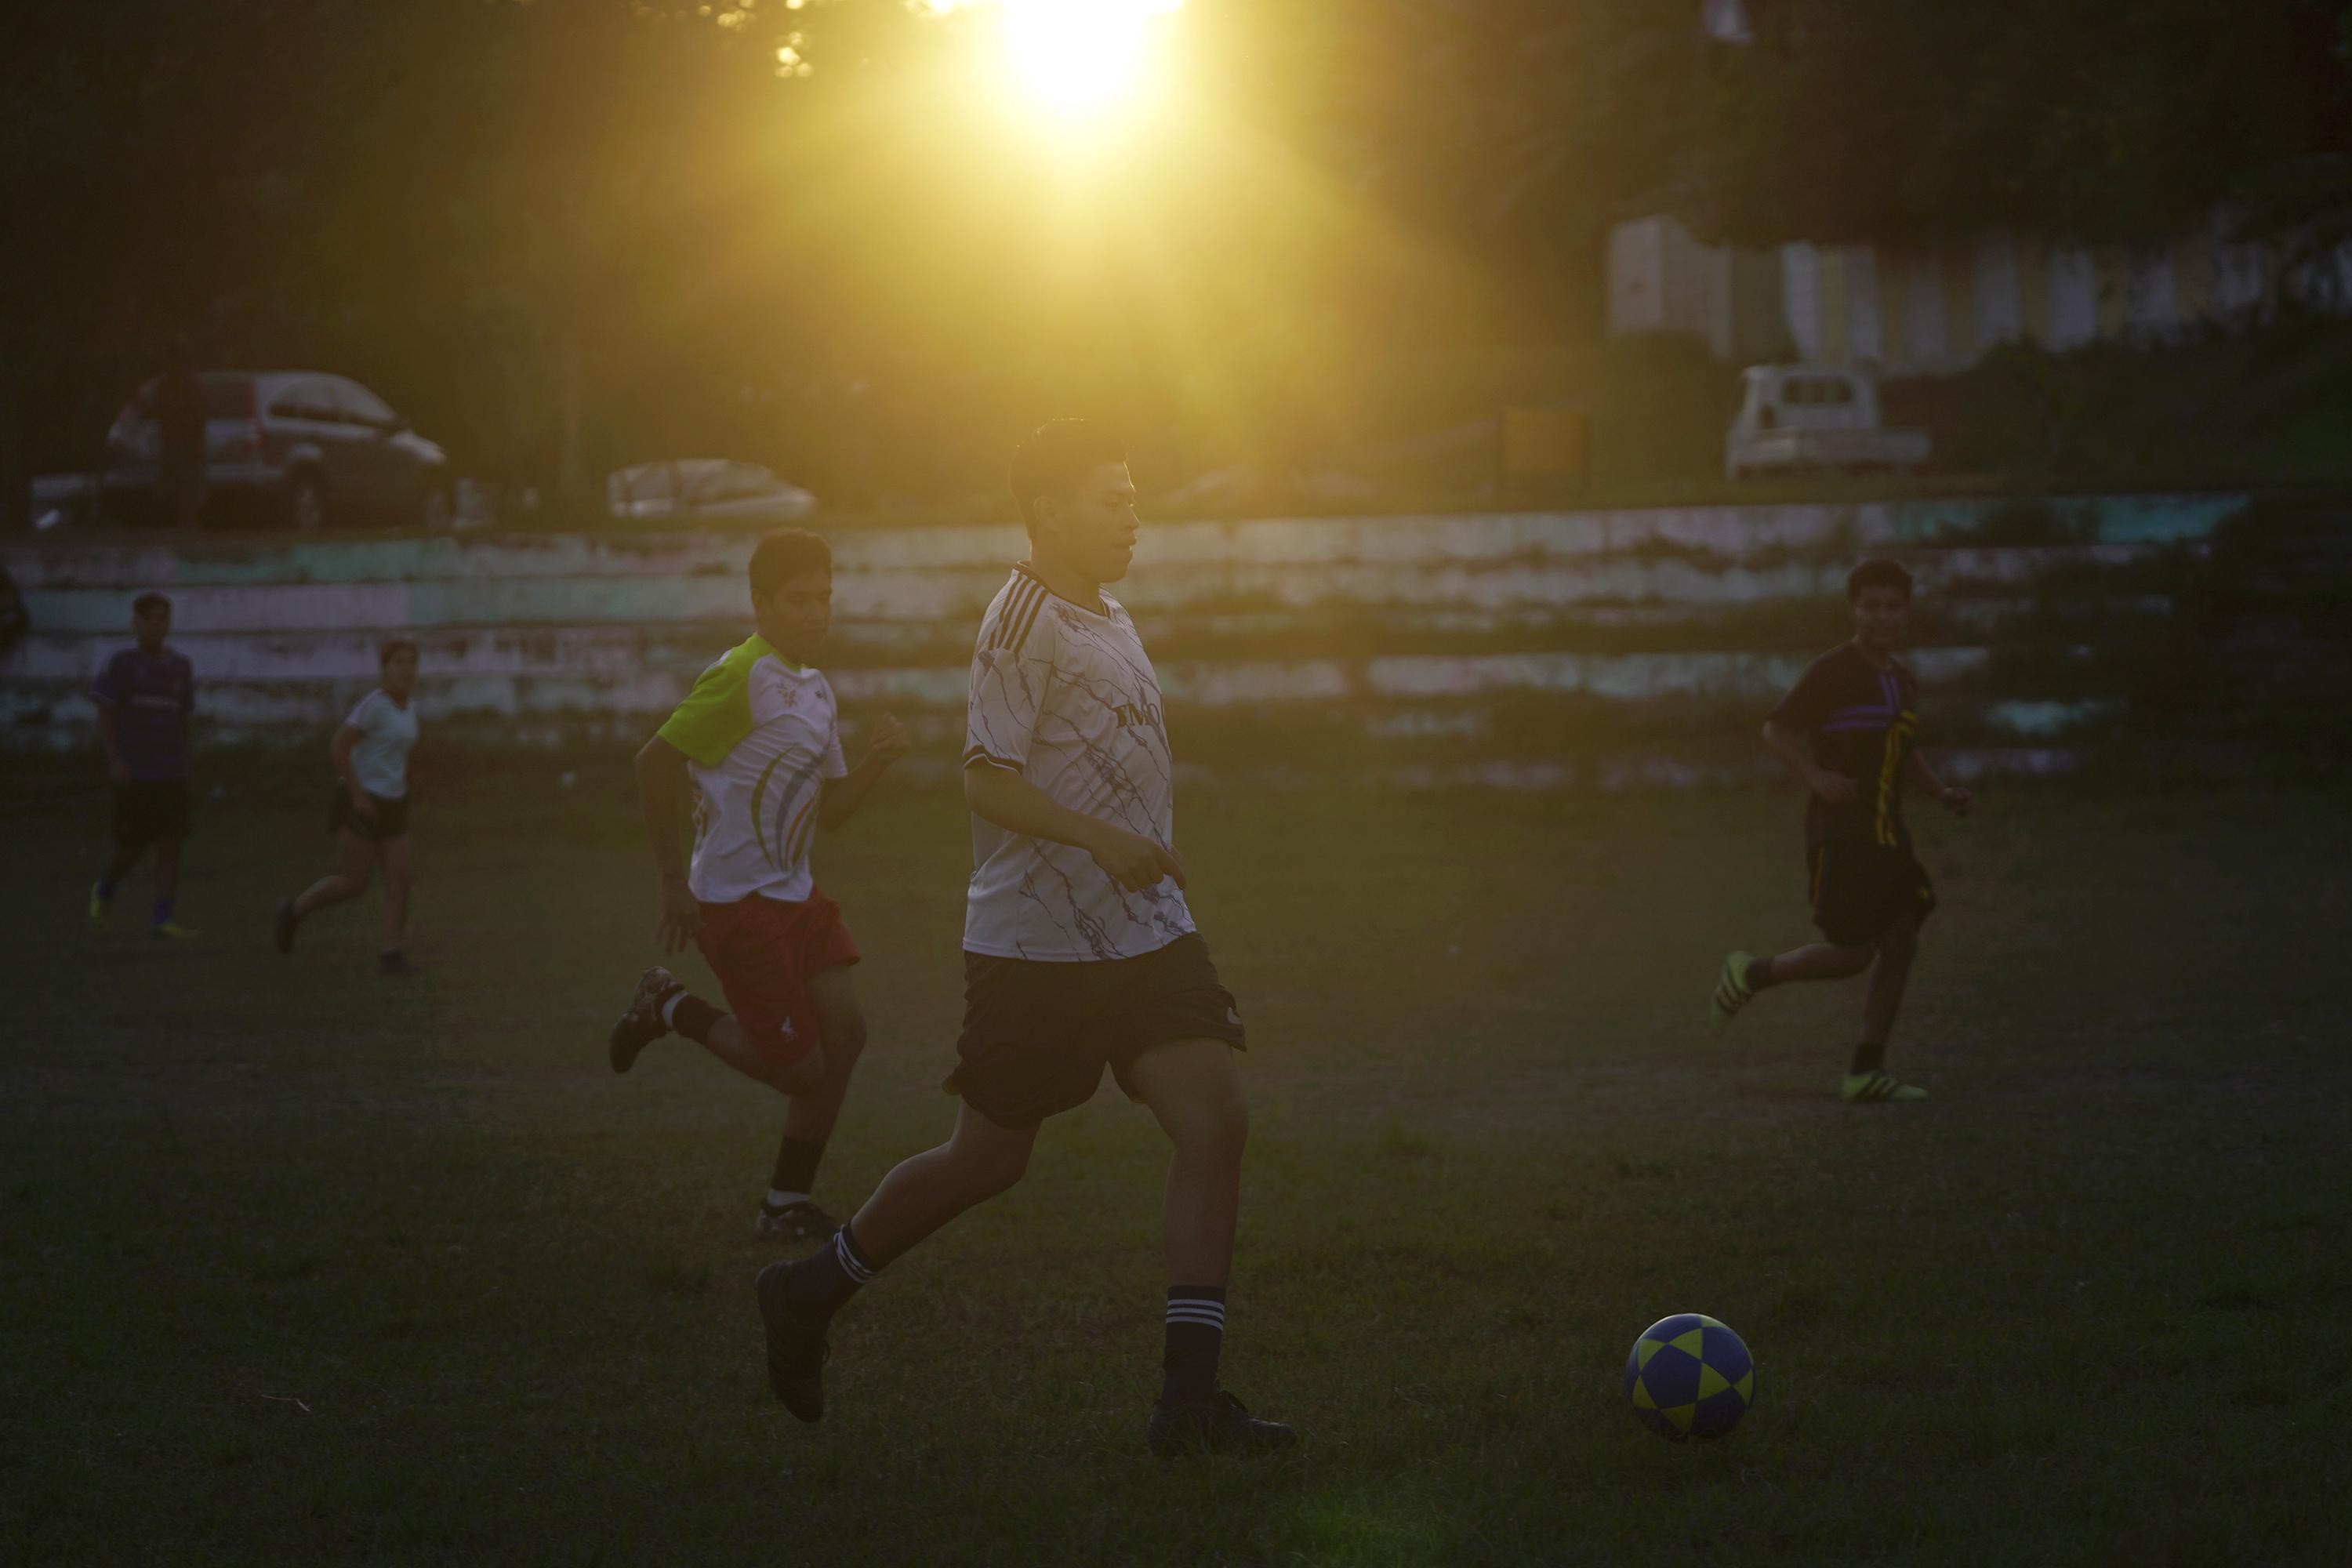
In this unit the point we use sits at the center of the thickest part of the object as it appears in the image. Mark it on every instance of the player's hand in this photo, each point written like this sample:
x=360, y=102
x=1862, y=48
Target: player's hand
x=362, y=804
x=1836, y=788
x=682, y=916
x=118, y=770
x=890, y=741
x=1957, y=801
x=1133, y=861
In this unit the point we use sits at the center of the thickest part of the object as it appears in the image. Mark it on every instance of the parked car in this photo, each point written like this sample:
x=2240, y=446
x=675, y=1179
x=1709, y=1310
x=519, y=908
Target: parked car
x=1796, y=417
x=293, y=448
x=718, y=490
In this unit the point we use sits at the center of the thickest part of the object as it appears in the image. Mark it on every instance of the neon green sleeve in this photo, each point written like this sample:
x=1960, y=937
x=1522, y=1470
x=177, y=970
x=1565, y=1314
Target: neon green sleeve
x=717, y=713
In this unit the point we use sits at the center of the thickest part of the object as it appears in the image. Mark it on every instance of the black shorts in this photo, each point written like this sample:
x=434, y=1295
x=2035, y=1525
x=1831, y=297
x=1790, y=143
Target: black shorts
x=1861, y=891
x=1036, y=1037
x=150, y=811
x=391, y=817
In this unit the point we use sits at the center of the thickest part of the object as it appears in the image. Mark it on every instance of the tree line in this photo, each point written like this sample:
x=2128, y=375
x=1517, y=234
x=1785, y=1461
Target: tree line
x=567, y=234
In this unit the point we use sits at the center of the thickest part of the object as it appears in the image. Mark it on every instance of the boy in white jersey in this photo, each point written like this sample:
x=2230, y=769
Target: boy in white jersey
x=369, y=812
x=757, y=742
x=1079, y=952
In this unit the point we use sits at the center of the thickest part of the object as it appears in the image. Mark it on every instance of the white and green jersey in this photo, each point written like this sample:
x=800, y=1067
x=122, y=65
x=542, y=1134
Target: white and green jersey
x=762, y=736
x=1067, y=698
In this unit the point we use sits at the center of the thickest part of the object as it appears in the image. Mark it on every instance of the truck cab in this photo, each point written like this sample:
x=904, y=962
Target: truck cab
x=1816, y=417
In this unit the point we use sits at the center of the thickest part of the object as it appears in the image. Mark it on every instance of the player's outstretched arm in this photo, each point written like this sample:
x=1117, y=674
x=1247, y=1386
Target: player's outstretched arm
x=1796, y=754
x=1014, y=804
x=1956, y=800
x=844, y=795
x=661, y=799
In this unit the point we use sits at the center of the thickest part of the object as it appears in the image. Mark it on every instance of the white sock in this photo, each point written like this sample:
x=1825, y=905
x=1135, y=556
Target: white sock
x=780, y=1199
x=670, y=1009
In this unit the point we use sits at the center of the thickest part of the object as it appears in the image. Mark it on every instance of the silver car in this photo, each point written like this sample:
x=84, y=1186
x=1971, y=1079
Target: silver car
x=298, y=449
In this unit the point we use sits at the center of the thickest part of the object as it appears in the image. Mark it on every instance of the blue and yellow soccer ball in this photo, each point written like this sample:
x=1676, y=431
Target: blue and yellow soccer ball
x=1690, y=1379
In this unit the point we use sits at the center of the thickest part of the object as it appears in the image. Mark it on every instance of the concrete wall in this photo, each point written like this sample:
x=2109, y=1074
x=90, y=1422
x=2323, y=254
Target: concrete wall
x=1532, y=641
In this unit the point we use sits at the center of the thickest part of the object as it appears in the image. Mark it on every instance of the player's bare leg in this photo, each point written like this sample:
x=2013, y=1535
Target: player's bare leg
x=1195, y=1092
x=1819, y=961
x=399, y=877
x=797, y=1301
x=1193, y=1089
x=101, y=892
x=1867, y=1081
x=789, y=1212
x=1888, y=979
x=1741, y=977
x=357, y=857
x=924, y=1191
x=809, y=1114
x=167, y=890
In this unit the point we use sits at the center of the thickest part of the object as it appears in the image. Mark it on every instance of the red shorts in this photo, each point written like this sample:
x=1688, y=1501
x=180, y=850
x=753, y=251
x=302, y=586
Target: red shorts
x=764, y=952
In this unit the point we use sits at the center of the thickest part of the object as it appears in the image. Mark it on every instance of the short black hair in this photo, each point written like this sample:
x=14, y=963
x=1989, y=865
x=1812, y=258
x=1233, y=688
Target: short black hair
x=787, y=553
x=384, y=650
x=149, y=599
x=1054, y=457
x=1877, y=575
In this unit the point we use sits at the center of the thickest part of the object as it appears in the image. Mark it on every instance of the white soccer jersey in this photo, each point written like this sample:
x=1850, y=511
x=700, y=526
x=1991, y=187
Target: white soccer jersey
x=763, y=737
x=380, y=756
x=1067, y=698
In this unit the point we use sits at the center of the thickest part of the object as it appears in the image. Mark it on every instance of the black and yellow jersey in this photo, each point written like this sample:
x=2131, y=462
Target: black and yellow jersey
x=1862, y=721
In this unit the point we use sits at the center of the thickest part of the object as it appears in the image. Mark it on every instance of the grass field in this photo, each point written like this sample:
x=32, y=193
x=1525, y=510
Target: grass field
x=305, y=1266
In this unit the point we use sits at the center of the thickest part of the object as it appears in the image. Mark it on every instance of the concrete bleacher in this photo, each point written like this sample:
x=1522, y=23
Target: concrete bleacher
x=1609, y=648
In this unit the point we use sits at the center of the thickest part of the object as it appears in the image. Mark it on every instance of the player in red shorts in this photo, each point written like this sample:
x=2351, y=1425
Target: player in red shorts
x=758, y=743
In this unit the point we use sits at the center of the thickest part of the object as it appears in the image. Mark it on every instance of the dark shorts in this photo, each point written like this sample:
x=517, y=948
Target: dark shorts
x=764, y=952
x=150, y=811
x=1036, y=1037
x=391, y=820
x=1861, y=891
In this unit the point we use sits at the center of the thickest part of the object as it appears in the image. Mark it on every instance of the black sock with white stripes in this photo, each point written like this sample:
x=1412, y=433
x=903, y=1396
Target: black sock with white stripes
x=821, y=1283
x=1196, y=1334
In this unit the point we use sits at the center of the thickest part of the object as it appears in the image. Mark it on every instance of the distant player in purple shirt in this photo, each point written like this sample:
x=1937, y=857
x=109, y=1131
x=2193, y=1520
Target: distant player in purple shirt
x=1850, y=731
x=144, y=694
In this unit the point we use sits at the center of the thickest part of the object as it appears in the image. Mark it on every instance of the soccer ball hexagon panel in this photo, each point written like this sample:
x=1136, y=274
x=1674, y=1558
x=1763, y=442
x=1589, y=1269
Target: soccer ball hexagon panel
x=1690, y=1378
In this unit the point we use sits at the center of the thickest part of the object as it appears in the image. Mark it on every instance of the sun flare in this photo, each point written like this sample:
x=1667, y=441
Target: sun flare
x=1081, y=57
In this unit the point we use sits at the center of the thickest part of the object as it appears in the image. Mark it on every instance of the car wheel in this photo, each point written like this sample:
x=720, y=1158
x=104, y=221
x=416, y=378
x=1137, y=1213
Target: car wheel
x=434, y=513
x=306, y=503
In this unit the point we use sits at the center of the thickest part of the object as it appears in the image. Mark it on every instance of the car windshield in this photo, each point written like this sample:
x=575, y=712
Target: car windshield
x=225, y=397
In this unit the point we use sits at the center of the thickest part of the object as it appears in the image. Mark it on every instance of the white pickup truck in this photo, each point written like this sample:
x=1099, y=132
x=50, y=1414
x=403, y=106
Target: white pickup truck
x=1798, y=417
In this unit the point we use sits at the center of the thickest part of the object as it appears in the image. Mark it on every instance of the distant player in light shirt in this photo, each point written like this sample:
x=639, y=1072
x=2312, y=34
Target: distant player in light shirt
x=144, y=696
x=1079, y=953
x=757, y=743
x=369, y=812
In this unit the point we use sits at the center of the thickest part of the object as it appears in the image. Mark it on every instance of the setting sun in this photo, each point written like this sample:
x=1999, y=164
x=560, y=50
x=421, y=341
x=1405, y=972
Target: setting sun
x=1081, y=56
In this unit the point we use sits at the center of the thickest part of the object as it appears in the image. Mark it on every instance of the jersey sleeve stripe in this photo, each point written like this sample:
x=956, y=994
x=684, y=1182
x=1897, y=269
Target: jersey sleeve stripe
x=1028, y=619
x=1008, y=615
x=982, y=755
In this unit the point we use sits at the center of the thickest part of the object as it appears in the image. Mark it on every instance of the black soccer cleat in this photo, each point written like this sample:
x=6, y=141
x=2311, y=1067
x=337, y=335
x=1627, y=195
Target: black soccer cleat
x=642, y=1025
x=288, y=923
x=795, y=1223
x=1217, y=1425
x=796, y=1346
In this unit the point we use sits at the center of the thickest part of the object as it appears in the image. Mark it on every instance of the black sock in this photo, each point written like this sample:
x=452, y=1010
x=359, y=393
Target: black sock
x=1196, y=1334
x=1759, y=974
x=797, y=1161
x=694, y=1018
x=1867, y=1055
x=821, y=1283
